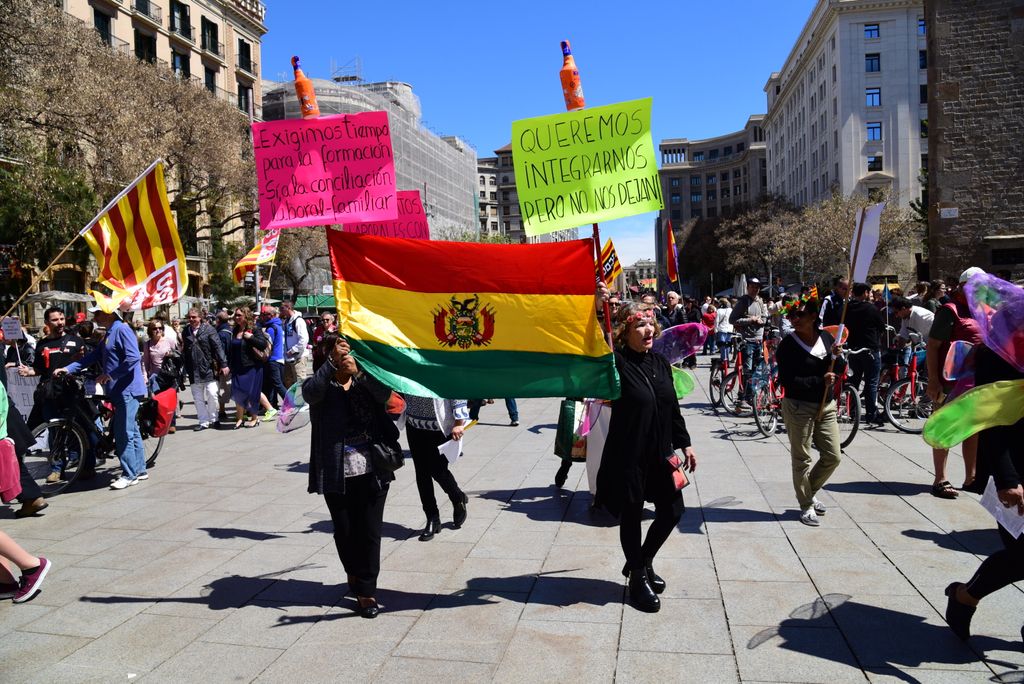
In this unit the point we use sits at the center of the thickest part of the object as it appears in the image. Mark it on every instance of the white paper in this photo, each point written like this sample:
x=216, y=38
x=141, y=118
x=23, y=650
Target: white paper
x=452, y=450
x=1009, y=518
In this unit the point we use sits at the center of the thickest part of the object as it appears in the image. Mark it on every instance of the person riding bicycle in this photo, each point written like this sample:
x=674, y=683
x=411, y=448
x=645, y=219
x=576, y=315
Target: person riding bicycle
x=749, y=316
x=122, y=381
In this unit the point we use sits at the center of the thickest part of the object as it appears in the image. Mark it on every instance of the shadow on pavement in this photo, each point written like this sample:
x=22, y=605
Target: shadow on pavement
x=235, y=533
x=879, y=637
x=876, y=487
x=546, y=426
x=985, y=541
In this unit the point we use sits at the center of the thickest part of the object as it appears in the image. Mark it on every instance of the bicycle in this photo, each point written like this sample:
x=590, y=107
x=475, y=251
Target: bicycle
x=847, y=400
x=734, y=383
x=719, y=369
x=768, y=394
x=83, y=422
x=907, y=405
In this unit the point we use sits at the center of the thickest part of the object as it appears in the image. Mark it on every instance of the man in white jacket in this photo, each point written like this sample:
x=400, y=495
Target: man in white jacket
x=296, y=339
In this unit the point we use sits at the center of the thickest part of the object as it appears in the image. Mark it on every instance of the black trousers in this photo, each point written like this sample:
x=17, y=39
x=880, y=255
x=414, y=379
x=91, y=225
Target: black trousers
x=358, y=516
x=431, y=466
x=1003, y=567
x=666, y=516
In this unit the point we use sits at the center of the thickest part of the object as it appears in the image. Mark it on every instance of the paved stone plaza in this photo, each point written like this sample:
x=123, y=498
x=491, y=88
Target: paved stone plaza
x=222, y=568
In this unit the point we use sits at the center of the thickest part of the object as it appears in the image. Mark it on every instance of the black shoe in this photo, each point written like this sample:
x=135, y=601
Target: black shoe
x=958, y=615
x=432, y=528
x=641, y=595
x=369, y=610
x=563, y=474
x=657, y=584
x=460, y=511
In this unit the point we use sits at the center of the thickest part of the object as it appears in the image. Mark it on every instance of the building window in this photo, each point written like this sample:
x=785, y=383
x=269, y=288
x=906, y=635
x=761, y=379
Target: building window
x=210, y=38
x=695, y=213
x=145, y=47
x=740, y=147
x=922, y=59
x=875, y=162
x=676, y=199
x=494, y=196
x=210, y=79
x=735, y=173
x=677, y=215
x=674, y=182
x=922, y=28
x=180, y=22
x=814, y=190
x=506, y=211
x=725, y=191
x=1008, y=256
x=924, y=128
x=870, y=31
x=483, y=181
x=832, y=43
x=712, y=212
x=695, y=180
x=923, y=96
x=833, y=73
x=727, y=151
x=872, y=62
x=924, y=163
x=712, y=195
x=504, y=195
x=712, y=179
x=736, y=190
x=483, y=194
x=245, y=55
x=874, y=130
x=696, y=198
x=506, y=161
x=245, y=98
x=872, y=97
x=101, y=20
x=835, y=106
x=725, y=176
x=492, y=180
x=504, y=179
x=506, y=225
x=713, y=154
x=698, y=156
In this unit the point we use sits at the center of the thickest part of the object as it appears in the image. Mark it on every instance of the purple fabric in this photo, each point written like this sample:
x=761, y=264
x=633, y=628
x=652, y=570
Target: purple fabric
x=998, y=307
x=680, y=341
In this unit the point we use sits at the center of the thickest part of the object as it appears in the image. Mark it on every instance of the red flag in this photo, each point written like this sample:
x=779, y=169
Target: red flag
x=673, y=272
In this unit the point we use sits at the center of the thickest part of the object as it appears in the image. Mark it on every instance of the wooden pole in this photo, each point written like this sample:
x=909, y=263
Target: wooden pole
x=846, y=303
x=600, y=277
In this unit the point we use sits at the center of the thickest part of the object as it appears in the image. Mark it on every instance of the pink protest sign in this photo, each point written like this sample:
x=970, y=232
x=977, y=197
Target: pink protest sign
x=334, y=169
x=411, y=221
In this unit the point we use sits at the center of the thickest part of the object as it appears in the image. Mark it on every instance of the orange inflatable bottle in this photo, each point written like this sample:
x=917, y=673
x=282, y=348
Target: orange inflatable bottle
x=572, y=90
x=304, y=91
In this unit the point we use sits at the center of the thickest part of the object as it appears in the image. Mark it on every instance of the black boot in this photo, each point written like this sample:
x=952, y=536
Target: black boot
x=563, y=474
x=958, y=615
x=657, y=584
x=640, y=593
x=460, y=513
x=432, y=528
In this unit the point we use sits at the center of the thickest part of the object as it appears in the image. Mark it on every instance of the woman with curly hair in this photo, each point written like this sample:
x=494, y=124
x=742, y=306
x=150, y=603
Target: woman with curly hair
x=646, y=427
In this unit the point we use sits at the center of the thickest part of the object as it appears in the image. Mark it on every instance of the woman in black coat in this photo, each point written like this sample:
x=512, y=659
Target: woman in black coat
x=646, y=427
x=347, y=413
x=1000, y=456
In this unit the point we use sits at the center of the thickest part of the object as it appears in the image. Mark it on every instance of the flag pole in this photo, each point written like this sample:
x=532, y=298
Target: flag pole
x=846, y=303
x=599, y=275
x=39, y=277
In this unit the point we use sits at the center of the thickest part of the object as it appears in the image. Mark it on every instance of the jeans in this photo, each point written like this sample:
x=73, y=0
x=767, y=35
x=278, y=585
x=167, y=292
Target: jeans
x=127, y=438
x=204, y=394
x=751, y=359
x=273, y=385
x=866, y=366
x=802, y=427
x=724, y=348
x=358, y=516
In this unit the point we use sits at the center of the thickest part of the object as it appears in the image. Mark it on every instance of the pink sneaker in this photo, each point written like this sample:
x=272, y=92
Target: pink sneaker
x=31, y=584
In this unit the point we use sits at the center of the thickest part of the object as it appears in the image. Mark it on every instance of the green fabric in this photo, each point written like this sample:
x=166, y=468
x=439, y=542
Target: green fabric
x=320, y=301
x=488, y=374
x=682, y=381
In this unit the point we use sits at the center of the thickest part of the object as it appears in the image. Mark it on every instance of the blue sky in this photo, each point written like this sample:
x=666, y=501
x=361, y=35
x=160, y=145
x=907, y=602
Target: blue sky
x=476, y=67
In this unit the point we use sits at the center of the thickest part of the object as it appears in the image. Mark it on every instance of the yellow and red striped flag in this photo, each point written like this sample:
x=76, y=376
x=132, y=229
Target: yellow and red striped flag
x=610, y=266
x=136, y=243
x=264, y=251
x=672, y=256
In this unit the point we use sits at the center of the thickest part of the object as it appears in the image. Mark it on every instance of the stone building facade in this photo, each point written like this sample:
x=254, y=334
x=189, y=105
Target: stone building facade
x=487, y=200
x=976, y=135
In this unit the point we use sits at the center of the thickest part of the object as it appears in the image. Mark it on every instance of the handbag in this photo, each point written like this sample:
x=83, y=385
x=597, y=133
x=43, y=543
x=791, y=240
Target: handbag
x=386, y=456
x=679, y=478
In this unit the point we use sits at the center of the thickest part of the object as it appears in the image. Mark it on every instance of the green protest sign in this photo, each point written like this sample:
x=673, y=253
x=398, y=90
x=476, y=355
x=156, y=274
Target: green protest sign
x=585, y=166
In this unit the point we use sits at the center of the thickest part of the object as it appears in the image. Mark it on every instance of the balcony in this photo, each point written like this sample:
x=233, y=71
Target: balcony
x=115, y=43
x=148, y=10
x=183, y=31
x=213, y=47
x=247, y=65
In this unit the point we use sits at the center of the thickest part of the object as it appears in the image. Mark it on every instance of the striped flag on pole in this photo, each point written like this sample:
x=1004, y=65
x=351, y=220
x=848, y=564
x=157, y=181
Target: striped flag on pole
x=672, y=257
x=610, y=266
x=264, y=251
x=136, y=243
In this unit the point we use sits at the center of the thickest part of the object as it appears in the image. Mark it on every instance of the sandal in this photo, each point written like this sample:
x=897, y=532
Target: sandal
x=944, y=490
x=255, y=422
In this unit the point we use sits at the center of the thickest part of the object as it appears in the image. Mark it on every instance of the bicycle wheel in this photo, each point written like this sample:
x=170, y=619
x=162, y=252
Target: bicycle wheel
x=848, y=415
x=766, y=411
x=152, y=446
x=715, y=386
x=906, y=412
x=731, y=393
x=55, y=457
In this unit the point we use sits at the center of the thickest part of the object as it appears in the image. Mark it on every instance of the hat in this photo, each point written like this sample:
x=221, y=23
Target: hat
x=753, y=281
x=970, y=273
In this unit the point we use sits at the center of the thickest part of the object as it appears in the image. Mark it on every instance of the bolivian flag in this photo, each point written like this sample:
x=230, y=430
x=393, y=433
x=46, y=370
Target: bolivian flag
x=473, y=321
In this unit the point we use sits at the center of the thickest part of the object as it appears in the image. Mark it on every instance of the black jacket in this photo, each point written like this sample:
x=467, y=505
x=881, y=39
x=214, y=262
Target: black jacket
x=866, y=325
x=336, y=414
x=203, y=353
x=241, y=357
x=1000, y=449
x=801, y=374
x=646, y=425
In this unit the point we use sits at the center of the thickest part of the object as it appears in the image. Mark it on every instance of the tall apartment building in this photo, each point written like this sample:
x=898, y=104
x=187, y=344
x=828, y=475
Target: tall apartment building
x=848, y=109
x=487, y=200
x=443, y=169
x=709, y=178
x=509, y=218
x=214, y=43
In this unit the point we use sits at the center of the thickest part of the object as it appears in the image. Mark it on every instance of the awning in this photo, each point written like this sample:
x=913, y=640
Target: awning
x=320, y=301
x=58, y=296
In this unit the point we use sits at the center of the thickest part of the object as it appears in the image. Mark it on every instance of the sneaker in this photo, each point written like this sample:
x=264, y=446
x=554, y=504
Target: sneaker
x=819, y=508
x=201, y=427
x=809, y=517
x=122, y=483
x=53, y=477
x=270, y=415
x=143, y=476
x=31, y=584
x=8, y=590
x=514, y=423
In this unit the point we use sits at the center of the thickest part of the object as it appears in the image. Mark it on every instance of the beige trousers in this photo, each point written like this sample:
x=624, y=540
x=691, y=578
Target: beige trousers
x=802, y=427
